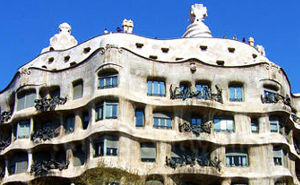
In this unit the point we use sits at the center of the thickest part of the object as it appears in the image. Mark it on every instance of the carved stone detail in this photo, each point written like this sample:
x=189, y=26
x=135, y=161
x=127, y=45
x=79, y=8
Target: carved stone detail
x=5, y=116
x=43, y=167
x=49, y=104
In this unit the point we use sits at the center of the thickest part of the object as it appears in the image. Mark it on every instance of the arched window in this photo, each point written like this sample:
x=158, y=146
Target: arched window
x=108, y=79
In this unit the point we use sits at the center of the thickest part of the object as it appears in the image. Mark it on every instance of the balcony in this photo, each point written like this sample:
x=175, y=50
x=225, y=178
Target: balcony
x=49, y=104
x=5, y=116
x=44, y=134
x=43, y=167
x=196, y=129
x=186, y=92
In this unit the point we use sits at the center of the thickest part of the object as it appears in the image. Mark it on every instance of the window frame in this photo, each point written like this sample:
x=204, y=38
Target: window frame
x=162, y=120
x=240, y=154
x=24, y=123
x=148, y=145
x=254, y=123
x=104, y=107
x=69, y=124
x=139, y=118
x=156, y=88
x=236, y=93
x=24, y=99
x=278, y=160
x=101, y=143
x=276, y=121
x=225, y=119
x=75, y=86
x=109, y=79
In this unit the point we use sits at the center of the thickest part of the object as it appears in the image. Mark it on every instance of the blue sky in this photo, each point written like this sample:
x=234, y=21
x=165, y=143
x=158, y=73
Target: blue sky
x=26, y=26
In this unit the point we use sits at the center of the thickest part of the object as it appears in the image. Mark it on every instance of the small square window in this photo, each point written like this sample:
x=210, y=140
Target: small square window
x=156, y=88
x=235, y=93
x=77, y=89
x=254, y=125
x=139, y=118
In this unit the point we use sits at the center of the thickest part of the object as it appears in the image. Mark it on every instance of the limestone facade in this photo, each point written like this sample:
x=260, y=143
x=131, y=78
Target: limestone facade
x=199, y=110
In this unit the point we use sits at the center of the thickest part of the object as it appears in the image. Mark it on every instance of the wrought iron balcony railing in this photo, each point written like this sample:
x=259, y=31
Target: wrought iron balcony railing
x=192, y=160
x=187, y=92
x=196, y=129
x=43, y=167
x=44, y=134
x=49, y=104
x=271, y=97
x=4, y=141
x=5, y=116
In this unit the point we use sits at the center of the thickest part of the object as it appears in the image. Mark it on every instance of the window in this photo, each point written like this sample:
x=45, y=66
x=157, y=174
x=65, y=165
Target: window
x=204, y=91
x=139, y=117
x=162, y=120
x=196, y=121
x=270, y=94
x=235, y=93
x=55, y=92
x=236, y=157
x=223, y=124
x=107, y=110
x=148, y=152
x=106, y=146
x=18, y=163
x=77, y=89
x=85, y=120
x=156, y=88
x=280, y=183
x=26, y=99
x=278, y=156
x=108, y=80
x=254, y=125
x=79, y=156
x=69, y=124
x=23, y=129
x=275, y=124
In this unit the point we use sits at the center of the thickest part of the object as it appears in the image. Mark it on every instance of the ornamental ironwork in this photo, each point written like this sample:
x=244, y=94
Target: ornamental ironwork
x=196, y=129
x=5, y=116
x=192, y=159
x=49, y=104
x=44, y=134
x=187, y=92
x=4, y=141
x=275, y=98
x=43, y=167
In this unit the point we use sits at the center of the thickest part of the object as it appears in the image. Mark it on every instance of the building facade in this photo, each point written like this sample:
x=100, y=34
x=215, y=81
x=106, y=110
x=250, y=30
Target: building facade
x=197, y=110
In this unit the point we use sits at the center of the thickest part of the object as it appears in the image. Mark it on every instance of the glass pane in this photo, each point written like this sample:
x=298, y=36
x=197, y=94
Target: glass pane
x=239, y=94
x=21, y=102
x=115, y=81
x=77, y=90
x=108, y=111
x=115, y=111
x=155, y=88
x=274, y=127
x=149, y=87
x=29, y=99
x=217, y=125
x=169, y=123
x=101, y=83
x=155, y=122
x=230, y=125
x=108, y=82
x=232, y=93
x=139, y=118
x=244, y=161
x=162, y=88
x=228, y=161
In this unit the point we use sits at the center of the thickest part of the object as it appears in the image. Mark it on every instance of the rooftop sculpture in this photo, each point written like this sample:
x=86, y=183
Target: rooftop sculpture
x=197, y=29
x=63, y=40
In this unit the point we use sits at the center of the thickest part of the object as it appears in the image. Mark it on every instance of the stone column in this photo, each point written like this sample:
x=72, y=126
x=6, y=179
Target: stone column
x=263, y=124
x=30, y=161
x=69, y=155
x=148, y=116
x=6, y=167
x=78, y=122
x=226, y=182
x=31, y=127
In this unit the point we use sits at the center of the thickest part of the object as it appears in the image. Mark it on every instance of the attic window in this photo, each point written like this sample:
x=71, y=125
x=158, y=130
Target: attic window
x=231, y=50
x=72, y=63
x=220, y=62
x=87, y=49
x=67, y=58
x=178, y=58
x=153, y=57
x=254, y=55
x=45, y=67
x=50, y=60
x=203, y=48
x=51, y=49
x=165, y=50
x=139, y=45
